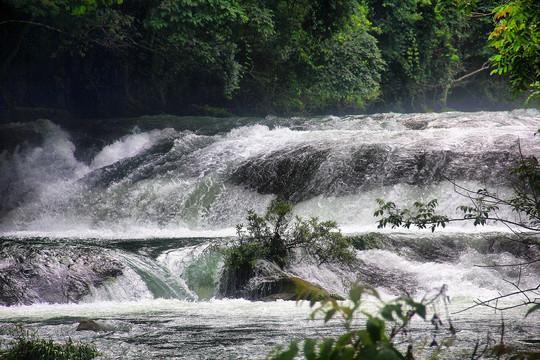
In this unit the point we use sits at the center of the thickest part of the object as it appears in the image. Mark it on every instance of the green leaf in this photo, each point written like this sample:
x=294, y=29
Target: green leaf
x=345, y=339
x=533, y=309
x=369, y=352
x=326, y=348
x=355, y=293
x=309, y=349
x=387, y=312
x=388, y=354
x=374, y=328
x=329, y=314
x=420, y=310
x=346, y=353
x=288, y=354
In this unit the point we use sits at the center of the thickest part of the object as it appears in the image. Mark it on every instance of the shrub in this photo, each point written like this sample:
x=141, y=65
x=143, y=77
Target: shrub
x=27, y=345
x=274, y=236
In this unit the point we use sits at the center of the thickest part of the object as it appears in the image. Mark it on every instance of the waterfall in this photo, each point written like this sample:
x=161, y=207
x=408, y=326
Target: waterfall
x=176, y=181
x=126, y=223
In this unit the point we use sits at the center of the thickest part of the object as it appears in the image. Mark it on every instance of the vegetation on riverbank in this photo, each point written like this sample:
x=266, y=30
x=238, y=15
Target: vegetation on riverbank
x=126, y=58
x=24, y=344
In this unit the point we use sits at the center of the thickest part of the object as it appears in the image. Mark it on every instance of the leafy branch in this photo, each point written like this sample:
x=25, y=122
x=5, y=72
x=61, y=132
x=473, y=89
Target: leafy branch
x=368, y=341
x=422, y=215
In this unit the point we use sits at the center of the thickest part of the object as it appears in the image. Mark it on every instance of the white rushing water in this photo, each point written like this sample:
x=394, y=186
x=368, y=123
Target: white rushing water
x=156, y=205
x=169, y=183
x=235, y=329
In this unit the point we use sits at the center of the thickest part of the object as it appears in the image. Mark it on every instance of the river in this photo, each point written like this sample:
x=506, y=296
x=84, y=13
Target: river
x=122, y=221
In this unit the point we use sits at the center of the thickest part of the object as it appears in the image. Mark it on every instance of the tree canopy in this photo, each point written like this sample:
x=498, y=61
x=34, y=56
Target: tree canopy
x=126, y=57
x=517, y=39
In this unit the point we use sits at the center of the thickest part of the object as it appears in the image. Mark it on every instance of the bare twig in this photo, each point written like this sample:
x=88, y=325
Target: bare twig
x=110, y=45
x=509, y=265
x=441, y=293
x=484, y=67
x=486, y=302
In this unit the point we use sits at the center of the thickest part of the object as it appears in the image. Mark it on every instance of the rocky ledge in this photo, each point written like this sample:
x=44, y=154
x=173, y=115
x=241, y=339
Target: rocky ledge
x=32, y=273
x=267, y=282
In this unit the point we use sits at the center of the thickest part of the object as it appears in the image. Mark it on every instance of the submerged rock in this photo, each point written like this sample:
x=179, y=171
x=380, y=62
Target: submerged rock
x=32, y=273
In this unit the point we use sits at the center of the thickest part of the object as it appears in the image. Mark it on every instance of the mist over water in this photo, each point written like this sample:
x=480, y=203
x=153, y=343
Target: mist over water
x=175, y=182
x=159, y=199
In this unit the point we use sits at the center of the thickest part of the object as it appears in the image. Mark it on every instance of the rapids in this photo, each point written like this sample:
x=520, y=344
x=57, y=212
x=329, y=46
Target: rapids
x=122, y=221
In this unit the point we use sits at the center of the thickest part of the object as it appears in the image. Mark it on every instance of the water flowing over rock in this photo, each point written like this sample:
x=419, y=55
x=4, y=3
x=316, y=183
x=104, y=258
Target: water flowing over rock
x=124, y=220
x=300, y=174
x=285, y=173
x=175, y=178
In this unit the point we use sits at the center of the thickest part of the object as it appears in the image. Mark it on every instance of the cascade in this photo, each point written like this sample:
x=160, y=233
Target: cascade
x=177, y=181
x=139, y=217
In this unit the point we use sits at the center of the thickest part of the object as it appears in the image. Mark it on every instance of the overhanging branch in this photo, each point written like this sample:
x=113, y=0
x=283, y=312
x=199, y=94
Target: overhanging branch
x=128, y=41
x=484, y=67
x=520, y=292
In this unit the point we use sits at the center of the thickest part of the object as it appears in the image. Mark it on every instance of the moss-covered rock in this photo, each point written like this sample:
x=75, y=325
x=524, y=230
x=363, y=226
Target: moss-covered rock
x=267, y=282
x=295, y=288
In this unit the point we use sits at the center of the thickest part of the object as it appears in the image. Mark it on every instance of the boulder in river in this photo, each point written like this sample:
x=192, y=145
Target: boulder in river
x=267, y=282
x=89, y=325
x=33, y=273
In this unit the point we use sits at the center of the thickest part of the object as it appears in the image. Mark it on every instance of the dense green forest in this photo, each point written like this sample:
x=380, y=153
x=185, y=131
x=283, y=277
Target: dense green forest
x=112, y=58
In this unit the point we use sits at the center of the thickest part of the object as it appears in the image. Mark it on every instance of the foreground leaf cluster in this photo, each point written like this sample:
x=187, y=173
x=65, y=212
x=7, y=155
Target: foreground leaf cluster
x=370, y=341
x=25, y=344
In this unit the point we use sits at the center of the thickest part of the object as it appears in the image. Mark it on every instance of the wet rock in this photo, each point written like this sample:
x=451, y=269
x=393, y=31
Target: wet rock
x=295, y=288
x=394, y=280
x=267, y=282
x=370, y=241
x=302, y=172
x=90, y=325
x=145, y=165
x=286, y=173
x=36, y=273
x=415, y=124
